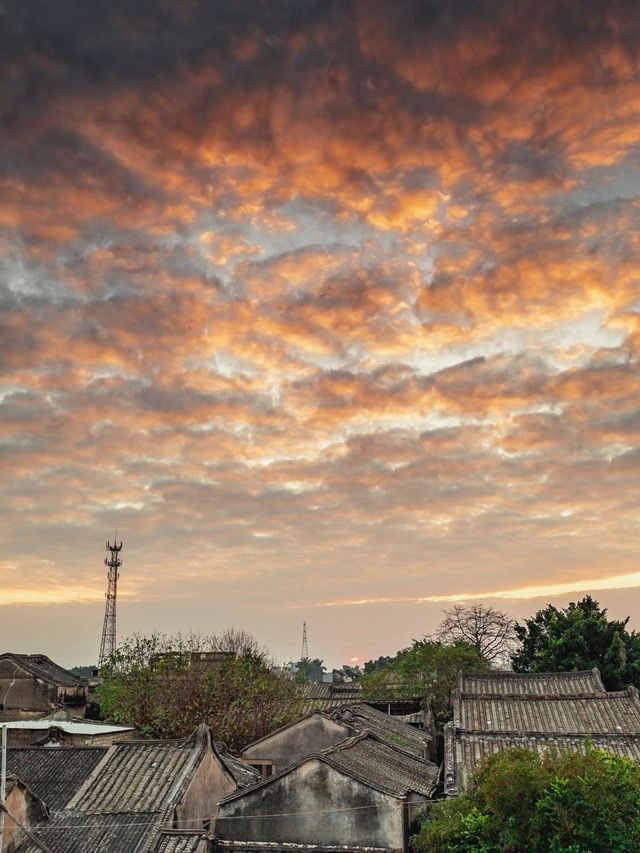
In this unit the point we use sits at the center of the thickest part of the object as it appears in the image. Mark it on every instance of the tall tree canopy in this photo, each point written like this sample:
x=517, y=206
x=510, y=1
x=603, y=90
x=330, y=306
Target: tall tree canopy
x=579, y=637
x=490, y=631
x=165, y=686
x=309, y=669
x=427, y=668
x=521, y=802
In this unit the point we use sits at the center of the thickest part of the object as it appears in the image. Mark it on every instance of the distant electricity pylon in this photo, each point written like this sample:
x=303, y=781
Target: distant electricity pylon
x=305, y=647
x=113, y=563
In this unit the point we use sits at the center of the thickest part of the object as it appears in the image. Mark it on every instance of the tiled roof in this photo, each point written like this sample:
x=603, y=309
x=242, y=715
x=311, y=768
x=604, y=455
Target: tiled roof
x=599, y=713
x=280, y=846
x=468, y=749
x=70, y=832
x=181, y=841
x=44, y=668
x=326, y=706
x=363, y=717
x=381, y=766
x=370, y=761
x=243, y=774
x=54, y=774
x=531, y=683
x=139, y=776
x=337, y=692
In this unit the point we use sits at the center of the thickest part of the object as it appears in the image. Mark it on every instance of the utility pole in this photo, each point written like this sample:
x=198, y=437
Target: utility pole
x=3, y=782
x=113, y=563
x=305, y=648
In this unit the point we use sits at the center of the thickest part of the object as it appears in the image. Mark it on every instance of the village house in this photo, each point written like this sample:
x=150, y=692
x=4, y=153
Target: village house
x=320, y=730
x=136, y=790
x=499, y=710
x=62, y=729
x=33, y=684
x=329, y=696
x=361, y=793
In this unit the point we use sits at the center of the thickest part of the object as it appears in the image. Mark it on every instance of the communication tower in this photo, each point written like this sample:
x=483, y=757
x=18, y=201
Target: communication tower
x=305, y=647
x=113, y=563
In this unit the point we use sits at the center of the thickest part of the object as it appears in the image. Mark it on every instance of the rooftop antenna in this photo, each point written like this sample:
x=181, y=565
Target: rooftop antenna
x=113, y=563
x=305, y=647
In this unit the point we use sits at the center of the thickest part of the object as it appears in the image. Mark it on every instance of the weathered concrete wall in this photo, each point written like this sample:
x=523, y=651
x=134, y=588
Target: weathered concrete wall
x=29, y=810
x=314, y=804
x=19, y=689
x=210, y=783
x=306, y=737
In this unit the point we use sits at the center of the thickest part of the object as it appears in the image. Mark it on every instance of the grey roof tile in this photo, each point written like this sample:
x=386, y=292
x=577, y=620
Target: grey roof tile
x=285, y=846
x=598, y=713
x=394, y=731
x=382, y=766
x=322, y=690
x=242, y=773
x=139, y=776
x=44, y=668
x=70, y=832
x=370, y=761
x=181, y=841
x=505, y=682
x=468, y=749
x=54, y=773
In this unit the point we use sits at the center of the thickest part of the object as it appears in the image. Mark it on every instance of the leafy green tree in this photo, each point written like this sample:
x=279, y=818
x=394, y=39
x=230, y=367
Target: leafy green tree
x=352, y=672
x=307, y=669
x=427, y=668
x=579, y=637
x=83, y=671
x=379, y=663
x=521, y=802
x=165, y=686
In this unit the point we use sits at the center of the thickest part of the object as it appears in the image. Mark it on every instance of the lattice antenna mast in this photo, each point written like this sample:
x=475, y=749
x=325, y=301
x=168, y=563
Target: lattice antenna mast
x=113, y=563
x=305, y=647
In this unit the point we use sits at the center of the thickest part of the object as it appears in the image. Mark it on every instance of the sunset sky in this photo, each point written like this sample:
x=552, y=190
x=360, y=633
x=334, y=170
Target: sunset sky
x=331, y=308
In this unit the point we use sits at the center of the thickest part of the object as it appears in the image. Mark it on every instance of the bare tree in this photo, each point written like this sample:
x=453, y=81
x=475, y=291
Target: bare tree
x=490, y=631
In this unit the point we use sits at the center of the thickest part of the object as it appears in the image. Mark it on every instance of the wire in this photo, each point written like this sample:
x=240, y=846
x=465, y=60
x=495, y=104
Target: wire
x=200, y=820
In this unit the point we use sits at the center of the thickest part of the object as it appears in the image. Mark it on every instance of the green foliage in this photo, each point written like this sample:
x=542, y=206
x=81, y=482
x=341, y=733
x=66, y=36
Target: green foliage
x=161, y=686
x=352, y=672
x=307, y=669
x=372, y=666
x=520, y=802
x=428, y=669
x=82, y=671
x=579, y=637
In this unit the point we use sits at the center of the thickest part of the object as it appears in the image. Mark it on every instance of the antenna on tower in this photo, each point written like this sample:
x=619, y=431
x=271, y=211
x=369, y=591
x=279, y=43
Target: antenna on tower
x=113, y=563
x=305, y=647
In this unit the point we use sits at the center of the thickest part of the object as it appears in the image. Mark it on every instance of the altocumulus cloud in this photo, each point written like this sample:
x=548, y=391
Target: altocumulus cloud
x=339, y=302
